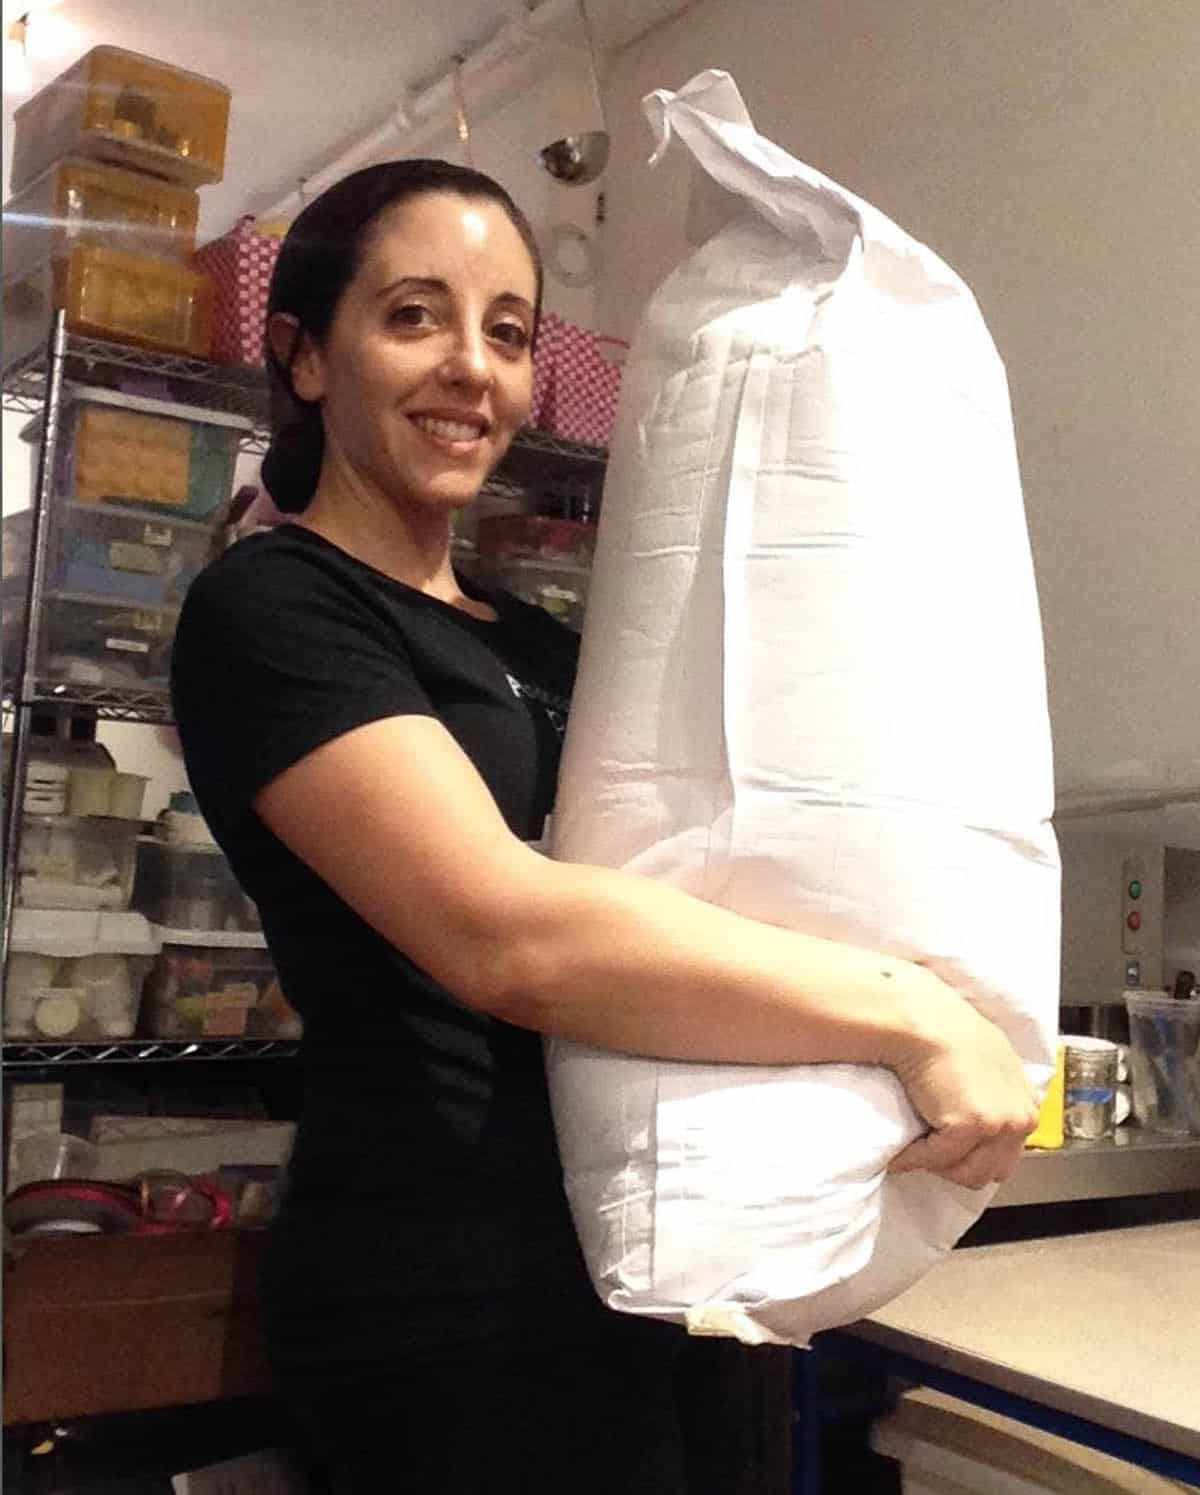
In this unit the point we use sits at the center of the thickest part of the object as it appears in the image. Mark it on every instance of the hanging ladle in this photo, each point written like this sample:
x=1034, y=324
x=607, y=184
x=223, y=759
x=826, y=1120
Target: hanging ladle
x=576, y=160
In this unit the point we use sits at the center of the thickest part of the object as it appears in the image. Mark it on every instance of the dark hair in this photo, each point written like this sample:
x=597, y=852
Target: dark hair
x=319, y=258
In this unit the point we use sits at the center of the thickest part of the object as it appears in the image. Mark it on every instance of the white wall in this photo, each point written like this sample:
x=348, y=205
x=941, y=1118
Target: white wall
x=506, y=136
x=1050, y=152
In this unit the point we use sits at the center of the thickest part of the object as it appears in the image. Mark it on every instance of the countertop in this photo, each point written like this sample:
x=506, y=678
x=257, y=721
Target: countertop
x=1134, y=1162
x=1104, y=1325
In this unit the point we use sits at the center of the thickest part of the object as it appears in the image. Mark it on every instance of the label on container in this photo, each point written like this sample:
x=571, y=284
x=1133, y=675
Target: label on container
x=234, y=994
x=124, y=555
x=161, y=535
x=127, y=645
x=1089, y=1096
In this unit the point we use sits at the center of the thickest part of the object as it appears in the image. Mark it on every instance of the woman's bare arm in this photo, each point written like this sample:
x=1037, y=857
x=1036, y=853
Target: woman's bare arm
x=396, y=819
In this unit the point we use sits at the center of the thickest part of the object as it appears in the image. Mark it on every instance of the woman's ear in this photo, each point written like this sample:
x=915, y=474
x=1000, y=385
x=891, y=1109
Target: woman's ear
x=295, y=351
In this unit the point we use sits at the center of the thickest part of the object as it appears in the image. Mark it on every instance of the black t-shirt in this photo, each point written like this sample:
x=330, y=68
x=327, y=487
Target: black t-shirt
x=425, y=1170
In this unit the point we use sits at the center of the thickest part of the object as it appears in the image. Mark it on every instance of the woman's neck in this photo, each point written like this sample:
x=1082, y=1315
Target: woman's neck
x=411, y=545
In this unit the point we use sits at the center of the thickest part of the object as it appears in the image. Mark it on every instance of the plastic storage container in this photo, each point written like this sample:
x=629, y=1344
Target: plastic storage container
x=108, y=293
x=89, y=202
x=76, y=976
x=120, y=106
x=92, y=641
x=561, y=590
x=501, y=538
x=190, y=889
x=76, y=862
x=204, y=991
x=118, y=448
x=112, y=552
x=1164, y=1053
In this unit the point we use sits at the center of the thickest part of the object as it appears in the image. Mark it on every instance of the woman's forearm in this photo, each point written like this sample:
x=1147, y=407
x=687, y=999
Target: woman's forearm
x=625, y=963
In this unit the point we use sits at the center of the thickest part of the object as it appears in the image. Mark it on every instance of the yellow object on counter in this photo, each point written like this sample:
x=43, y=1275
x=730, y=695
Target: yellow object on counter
x=1049, y=1131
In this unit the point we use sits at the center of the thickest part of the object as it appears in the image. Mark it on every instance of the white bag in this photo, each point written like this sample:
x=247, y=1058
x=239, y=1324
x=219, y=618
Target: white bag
x=812, y=690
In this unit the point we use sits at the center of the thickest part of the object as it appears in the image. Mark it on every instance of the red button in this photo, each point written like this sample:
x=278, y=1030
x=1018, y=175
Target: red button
x=1134, y=920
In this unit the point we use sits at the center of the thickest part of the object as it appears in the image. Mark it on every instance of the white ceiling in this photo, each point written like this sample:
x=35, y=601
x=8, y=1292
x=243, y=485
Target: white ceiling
x=308, y=78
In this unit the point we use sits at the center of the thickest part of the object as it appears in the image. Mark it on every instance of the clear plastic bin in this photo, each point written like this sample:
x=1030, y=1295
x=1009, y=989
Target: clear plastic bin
x=560, y=590
x=76, y=976
x=501, y=538
x=91, y=641
x=107, y=293
x=1164, y=1054
x=204, y=991
x=89, y=202
x=123, y=107
x=123, y=449
x=76, y=862
x=190, y=888
x=111, y=552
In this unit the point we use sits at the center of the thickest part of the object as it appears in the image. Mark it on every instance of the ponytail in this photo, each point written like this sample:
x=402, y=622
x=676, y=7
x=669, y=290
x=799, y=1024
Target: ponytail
x=292, y=466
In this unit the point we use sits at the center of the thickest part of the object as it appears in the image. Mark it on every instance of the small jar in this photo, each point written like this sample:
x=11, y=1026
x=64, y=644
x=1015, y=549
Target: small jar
x=1090, y=1085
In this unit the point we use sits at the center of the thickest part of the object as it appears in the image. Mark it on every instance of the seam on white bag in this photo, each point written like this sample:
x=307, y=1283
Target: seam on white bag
x=738, y=529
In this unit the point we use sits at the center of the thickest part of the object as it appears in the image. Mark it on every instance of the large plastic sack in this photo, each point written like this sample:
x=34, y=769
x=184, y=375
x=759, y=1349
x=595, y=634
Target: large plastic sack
x=812, y=690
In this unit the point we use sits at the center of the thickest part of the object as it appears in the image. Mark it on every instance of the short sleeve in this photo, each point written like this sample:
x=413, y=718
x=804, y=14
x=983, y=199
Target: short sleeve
x=279, y=651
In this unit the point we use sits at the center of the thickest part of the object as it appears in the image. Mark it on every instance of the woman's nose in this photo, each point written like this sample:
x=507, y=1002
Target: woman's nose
x=467, y=360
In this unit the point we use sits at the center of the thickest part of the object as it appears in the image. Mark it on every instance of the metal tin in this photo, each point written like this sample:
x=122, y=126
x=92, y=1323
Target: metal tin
x=1091, y=1088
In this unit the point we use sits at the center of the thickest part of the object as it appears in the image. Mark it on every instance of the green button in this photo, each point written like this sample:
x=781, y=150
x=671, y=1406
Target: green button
x=1135, y=890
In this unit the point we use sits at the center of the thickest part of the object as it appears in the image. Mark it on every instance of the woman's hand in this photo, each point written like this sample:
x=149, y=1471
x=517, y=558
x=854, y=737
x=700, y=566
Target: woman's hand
x=965, y=1080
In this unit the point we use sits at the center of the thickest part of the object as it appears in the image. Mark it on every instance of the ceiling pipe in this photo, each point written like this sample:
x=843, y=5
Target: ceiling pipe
x=501, y=65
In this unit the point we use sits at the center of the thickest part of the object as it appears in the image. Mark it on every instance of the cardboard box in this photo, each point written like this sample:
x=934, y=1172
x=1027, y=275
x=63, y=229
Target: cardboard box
x=107, y=1323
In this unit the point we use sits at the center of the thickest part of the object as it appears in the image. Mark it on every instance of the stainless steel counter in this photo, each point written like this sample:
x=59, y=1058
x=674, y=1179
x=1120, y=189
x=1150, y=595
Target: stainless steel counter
x=1135, y=1162
x=1103, y=1326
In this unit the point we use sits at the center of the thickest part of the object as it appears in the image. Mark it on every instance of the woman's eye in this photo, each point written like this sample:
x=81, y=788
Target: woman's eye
x=513, y=334
x=410, y=314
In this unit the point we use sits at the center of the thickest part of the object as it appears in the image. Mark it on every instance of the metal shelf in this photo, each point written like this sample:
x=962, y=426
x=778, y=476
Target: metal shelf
x=190, y=381
x=106, y=702
x=540, y=459
x=20, y=1054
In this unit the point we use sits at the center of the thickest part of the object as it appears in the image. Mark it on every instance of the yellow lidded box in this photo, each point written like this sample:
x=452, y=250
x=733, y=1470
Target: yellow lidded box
x=81, y=201
x=121, y=106
x=106, y=293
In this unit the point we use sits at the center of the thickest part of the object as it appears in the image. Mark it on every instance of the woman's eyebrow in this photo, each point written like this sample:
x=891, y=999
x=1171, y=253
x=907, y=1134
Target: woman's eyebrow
x=415, y=283
x=433, y=287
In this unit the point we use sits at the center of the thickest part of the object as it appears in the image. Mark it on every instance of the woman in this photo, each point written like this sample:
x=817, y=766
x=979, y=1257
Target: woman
x=374, y=742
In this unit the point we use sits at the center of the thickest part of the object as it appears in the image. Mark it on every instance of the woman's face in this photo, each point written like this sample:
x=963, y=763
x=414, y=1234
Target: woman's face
x=427, y=372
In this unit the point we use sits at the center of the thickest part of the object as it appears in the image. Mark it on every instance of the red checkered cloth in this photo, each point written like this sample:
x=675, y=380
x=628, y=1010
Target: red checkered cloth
x=240, y=265
x=576, y=383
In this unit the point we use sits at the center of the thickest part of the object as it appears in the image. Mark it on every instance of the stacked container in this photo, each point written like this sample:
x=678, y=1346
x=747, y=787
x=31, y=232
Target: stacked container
x=106, y=162
x=138, y=486
x=214, y=977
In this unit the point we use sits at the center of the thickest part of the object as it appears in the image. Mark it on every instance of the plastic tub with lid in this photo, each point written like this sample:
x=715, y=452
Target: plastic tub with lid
x=205, y=990
x=76, y=862
x=559, y=590
x=189, y=887
x=501, y=538
x=110, y=551
x=91, y=202
x=75, y=976
x=111, y=294
x=93, y=641
x=121, y=106
x=121, y=449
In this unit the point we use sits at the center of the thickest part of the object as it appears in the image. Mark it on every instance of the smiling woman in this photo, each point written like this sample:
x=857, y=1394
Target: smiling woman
x=375, y=742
